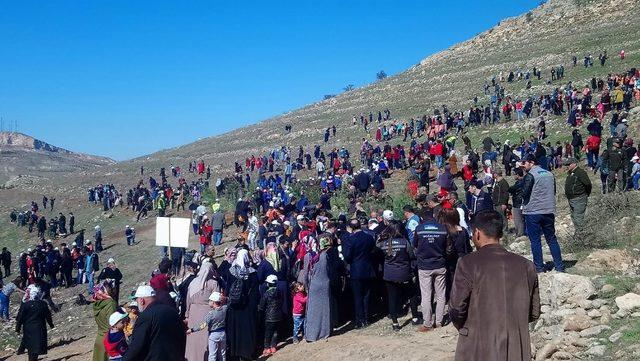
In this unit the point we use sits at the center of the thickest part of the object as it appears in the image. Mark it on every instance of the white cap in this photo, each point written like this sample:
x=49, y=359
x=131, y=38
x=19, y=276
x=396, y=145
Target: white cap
x=49, y=241
x=111, y=260
x=133, y=303
x=624, y=120
x=272, y=279
x=387, y=215
x=28, y=250
x=116, y=317
x=634, y=158
x=300, y=217
x=87, y=241
x=144, y=291
x=215, y=297
x=73, y=244
x=56, y=249
x=127, y=226
x=287, y=223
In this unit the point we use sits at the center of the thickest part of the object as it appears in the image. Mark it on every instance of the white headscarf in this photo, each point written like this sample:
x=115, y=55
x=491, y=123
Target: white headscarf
x=204, y=274
x=241, y=266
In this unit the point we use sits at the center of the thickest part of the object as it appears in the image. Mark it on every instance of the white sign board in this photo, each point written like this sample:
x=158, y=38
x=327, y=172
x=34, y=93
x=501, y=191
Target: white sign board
x=173, y=232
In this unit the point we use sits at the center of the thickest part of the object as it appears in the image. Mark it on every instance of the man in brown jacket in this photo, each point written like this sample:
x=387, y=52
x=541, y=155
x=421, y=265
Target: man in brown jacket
x=494, y=297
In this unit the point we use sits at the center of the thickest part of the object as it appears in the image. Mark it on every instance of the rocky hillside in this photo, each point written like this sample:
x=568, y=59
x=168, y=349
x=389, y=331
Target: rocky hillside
x=544, y=37
x=22, y=155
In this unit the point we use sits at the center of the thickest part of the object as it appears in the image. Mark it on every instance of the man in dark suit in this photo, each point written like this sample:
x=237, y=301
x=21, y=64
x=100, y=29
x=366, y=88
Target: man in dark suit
x=478, y=200
x=494, y=297
x=358, y=253
x=159, y=333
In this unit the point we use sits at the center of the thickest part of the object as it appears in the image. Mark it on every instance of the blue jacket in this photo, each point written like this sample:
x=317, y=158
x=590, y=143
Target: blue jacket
x=358, y=253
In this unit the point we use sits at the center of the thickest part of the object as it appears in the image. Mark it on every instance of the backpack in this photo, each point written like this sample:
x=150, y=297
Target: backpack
x=236, y=292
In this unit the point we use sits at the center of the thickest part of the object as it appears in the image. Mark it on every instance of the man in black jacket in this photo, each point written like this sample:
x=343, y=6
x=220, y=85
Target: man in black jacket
x=358, y=253
x=500, y=197
x=430, y=243
x=158, y=334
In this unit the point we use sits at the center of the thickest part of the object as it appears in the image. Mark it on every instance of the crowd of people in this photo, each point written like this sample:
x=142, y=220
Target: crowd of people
x=299, y=270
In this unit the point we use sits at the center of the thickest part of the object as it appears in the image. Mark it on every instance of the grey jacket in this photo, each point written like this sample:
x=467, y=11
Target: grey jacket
x=539, y=192
x=217, y=221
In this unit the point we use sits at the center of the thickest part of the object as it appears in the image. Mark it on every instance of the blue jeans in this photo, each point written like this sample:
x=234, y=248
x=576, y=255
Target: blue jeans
x=439, y=161
x=90, y=281
x=79, y=277
x=635, y=180
x=217, y=237
x=538, y=224
x=298, y=323
x=592, y=158
x=4, y=306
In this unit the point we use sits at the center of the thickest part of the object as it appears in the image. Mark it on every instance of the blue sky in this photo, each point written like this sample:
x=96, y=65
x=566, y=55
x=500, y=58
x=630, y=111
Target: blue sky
x=125, y=78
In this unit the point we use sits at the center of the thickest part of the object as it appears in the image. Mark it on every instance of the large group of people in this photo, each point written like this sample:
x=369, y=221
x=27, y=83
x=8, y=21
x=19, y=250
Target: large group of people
x=300, y=270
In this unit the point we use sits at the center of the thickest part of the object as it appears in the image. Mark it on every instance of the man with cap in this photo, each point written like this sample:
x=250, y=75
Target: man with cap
x=412, y=221
x=159, y=333
x=635, y=172
x=577, y=189
x=539, y=208
x=614, y=157
x=128, y=233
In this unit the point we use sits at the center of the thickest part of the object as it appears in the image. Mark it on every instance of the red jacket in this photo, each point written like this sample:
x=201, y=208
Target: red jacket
x=205, y=234
x=593, y=143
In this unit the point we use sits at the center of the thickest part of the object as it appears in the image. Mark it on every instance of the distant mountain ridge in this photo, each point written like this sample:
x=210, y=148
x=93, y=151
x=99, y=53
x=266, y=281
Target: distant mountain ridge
x=21, y=154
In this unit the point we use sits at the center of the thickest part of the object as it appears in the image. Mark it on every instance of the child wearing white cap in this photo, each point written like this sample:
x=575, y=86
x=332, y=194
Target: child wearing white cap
x=214, y=321
x=115, y=342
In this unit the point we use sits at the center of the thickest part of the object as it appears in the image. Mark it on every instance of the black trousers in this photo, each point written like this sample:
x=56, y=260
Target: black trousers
x=270, y=334
x=397, y=294
x=361, y=294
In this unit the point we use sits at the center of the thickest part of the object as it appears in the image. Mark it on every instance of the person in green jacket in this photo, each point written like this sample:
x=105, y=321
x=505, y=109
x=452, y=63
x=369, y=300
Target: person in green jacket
x=577, y=189
x=162, y=205
x=103, y=306
x=615, y=158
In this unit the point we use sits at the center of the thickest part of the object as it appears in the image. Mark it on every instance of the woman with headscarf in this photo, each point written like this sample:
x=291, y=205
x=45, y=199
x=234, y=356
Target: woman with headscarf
x=241, y=320
x=103, y=306
x=111, y=272
x=198, y=294
x=223, y=270
x=312, y=250
x=31, y=320
x=318, y=319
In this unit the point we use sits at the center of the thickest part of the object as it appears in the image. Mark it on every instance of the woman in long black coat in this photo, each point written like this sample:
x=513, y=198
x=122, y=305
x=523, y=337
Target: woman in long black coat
x=242, y=317
x=31, y=320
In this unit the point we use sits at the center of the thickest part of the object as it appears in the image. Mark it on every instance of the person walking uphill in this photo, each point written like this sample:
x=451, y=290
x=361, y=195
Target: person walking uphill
x=577, y=188
x=539, y=208
x=494, y=298
x=158, y=334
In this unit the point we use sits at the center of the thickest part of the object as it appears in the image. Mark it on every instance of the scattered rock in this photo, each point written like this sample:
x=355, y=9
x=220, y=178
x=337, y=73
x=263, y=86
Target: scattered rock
x=594, y=313
x=562, y=355
x=546, y=351
x=577, y=322
x=520, y=247
x=593, y=331
x=606, y=318
x=597, y=350
x=615, y=337
x=559, y=288
x=628, y=302
x=607, y=289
